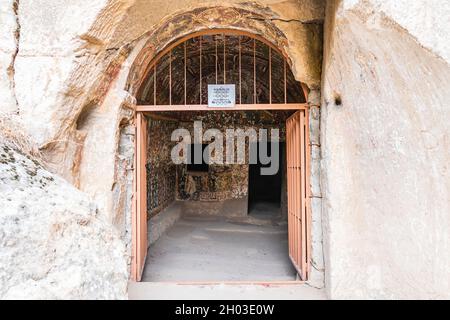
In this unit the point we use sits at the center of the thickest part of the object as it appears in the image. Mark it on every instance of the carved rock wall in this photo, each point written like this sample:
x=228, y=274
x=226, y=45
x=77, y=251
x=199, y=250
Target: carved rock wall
x=385, y=149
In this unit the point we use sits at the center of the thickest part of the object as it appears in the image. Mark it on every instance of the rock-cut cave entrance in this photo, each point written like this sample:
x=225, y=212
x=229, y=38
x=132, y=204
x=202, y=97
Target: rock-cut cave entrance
x=208, y=221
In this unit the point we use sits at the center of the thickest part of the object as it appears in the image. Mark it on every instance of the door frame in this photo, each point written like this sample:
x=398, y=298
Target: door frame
x=139, y=199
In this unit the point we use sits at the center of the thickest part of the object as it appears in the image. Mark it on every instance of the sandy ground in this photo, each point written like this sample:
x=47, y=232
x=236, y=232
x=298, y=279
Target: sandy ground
x=199, y=249
x=216, y=249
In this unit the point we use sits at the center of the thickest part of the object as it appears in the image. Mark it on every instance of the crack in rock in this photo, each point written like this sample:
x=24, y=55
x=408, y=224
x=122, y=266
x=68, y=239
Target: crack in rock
x=11, y=67
x=306, y=22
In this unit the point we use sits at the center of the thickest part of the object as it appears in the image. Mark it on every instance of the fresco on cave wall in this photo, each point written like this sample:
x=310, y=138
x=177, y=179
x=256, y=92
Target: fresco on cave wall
x=161, y=173
x=222, y=182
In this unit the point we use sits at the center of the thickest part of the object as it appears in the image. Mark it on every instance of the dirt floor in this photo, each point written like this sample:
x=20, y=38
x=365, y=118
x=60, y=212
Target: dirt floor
x=210, y=248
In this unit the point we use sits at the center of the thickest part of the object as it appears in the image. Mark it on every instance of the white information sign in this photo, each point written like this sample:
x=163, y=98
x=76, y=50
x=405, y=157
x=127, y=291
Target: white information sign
x=221, y=95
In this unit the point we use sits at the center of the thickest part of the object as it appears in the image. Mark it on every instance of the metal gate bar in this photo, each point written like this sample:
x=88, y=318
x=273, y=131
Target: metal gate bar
x=298, y=194
x=139, y=218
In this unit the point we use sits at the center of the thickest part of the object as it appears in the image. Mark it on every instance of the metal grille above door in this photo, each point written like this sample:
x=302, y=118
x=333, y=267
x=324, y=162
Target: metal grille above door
x=180, y=74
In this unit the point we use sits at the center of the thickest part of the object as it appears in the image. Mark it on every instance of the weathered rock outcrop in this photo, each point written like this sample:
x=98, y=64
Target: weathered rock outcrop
x=385, y=146
x=54, y=243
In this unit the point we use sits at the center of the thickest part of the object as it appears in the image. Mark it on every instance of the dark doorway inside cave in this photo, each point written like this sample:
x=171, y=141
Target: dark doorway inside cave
x=264, y=191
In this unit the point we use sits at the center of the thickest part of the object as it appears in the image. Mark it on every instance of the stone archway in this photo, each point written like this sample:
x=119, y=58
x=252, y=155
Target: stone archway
x=216, y=18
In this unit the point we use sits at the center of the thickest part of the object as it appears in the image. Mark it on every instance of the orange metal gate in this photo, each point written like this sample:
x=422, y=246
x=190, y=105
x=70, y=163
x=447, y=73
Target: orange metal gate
x=298, y=191
x=290, y=95
x=298, y=158
x=139, y=224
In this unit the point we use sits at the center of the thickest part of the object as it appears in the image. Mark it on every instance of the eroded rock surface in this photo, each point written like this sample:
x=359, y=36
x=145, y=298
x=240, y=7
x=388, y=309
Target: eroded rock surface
x=385, y=154
x=54, y=243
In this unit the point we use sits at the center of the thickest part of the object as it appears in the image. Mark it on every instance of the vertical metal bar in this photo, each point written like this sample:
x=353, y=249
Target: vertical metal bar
x=224, y=61
x=200, y=39
x=300, y=193
x=140, y=221
x=285, y=81
x=254, y=72
x=185, y=62
x=288, y=157
x=144, y=226
x=217, y=60
x=302, y=178
x=154, y=85
x=138, y=193
x=143, y=190
x=294, y=203
x=287, y=176
x=296, y=191
x=240, y=71
x=294, y=196
x=308, y=194
x=270, y=75
x=170, y=77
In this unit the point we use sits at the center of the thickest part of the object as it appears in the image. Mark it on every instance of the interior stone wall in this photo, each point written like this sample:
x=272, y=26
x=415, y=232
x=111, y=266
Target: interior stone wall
x=161, y=171
x=223, y=181
x=227, y=181
x=385, y=149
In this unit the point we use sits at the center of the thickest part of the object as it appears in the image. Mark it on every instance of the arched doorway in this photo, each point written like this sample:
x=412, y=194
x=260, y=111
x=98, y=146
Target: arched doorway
x=182, y=78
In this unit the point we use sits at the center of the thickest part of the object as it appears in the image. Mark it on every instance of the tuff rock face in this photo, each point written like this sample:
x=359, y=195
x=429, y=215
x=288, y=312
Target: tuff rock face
x=54, y=243
x=385, y=150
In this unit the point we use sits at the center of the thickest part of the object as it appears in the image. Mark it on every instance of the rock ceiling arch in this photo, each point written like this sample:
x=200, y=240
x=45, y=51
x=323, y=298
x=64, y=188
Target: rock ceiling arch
x=180, y=25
